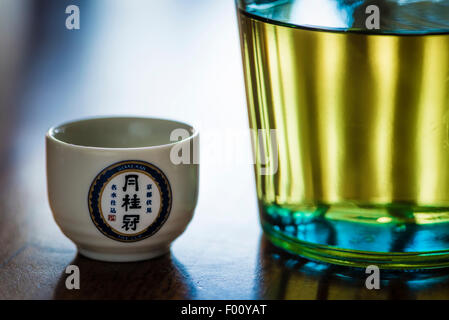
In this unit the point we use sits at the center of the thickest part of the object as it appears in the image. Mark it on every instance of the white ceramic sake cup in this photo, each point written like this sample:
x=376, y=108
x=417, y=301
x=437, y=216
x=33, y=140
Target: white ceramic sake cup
x=122, y=189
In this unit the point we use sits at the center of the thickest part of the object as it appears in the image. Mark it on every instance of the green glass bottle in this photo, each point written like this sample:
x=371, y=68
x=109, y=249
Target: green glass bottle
x=360, y=114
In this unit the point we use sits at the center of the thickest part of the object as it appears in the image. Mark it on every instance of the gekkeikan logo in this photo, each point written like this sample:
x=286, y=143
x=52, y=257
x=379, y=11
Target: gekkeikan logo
x=130, y=200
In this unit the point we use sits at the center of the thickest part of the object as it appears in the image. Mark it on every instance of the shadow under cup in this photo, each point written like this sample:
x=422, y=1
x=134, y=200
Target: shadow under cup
x=122, y=189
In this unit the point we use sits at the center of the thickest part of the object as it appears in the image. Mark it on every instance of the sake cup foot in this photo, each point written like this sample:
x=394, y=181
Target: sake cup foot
x=124, y=257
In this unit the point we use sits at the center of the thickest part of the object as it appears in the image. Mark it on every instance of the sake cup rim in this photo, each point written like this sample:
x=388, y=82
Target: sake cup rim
x=50, y=135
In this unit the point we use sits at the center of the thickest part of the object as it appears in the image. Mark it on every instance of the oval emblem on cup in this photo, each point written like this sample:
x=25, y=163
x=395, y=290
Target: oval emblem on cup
x=130, y=200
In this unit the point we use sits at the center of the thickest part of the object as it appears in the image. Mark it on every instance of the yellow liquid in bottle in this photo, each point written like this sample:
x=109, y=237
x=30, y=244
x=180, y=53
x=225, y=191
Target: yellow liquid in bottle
x=362, y=130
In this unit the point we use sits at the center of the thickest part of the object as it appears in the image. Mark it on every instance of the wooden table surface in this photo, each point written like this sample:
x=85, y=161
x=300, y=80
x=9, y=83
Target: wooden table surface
x=165, y=59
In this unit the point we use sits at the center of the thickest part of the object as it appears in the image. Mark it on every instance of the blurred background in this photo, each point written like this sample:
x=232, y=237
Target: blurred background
x=173, y=58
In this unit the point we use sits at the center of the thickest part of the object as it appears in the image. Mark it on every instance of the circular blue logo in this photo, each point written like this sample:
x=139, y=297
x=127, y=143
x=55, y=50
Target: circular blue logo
x=130, y=200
